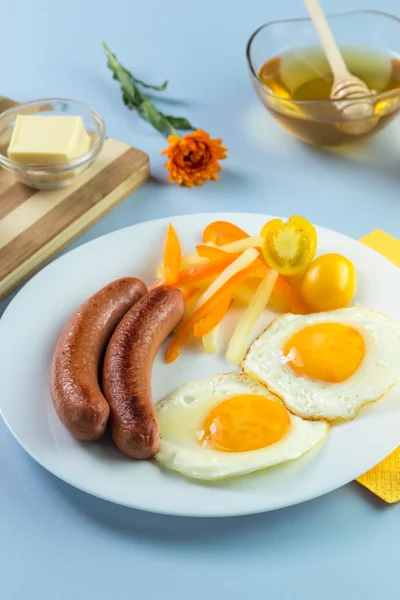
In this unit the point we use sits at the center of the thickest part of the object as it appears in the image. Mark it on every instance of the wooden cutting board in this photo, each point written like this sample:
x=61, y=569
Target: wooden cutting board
x=35, y=225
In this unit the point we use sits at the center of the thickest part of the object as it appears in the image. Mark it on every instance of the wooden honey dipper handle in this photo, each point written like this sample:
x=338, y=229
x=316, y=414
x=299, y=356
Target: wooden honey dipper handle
x=354, y=100
x=328, y=42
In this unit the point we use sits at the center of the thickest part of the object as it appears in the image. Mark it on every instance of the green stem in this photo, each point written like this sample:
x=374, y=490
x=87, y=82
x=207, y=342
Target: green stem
x=173, y=130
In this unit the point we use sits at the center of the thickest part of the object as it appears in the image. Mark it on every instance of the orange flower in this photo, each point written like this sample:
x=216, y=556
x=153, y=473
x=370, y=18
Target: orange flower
x=193, y=159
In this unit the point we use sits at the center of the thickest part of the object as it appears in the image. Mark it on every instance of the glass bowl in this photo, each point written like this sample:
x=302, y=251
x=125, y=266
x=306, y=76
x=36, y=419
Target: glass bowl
x=292, y=50
x=61, y=174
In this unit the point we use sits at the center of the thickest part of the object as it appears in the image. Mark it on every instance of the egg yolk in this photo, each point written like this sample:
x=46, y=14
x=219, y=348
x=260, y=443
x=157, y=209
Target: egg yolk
x=326, y=351
x=243, y=423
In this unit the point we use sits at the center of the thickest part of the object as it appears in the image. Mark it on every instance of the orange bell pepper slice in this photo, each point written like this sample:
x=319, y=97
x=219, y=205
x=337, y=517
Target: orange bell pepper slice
x=205, y=309
x=223, y=232
x=188, y=291
x=172, y=256
x=210, y=252
x=213, y=319
x=205, y=270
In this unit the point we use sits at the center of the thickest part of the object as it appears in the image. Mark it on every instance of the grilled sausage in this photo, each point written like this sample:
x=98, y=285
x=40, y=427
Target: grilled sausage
x=127, y=370
x=74, y=381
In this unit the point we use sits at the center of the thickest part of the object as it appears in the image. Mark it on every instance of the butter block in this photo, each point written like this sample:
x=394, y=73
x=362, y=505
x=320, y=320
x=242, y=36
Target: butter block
x=46, y=140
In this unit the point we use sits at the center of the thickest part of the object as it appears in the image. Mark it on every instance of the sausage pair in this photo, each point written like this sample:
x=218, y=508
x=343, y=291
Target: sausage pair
x=130, y=325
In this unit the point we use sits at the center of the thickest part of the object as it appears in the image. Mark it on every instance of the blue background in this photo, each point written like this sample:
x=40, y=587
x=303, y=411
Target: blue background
x=57, y=542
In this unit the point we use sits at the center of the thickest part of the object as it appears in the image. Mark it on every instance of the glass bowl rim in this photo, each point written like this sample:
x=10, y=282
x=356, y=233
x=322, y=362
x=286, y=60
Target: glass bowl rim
x=62, y=166
x=270, y=93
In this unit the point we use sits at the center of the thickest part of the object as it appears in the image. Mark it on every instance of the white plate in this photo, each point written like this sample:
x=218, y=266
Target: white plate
x=28, y=333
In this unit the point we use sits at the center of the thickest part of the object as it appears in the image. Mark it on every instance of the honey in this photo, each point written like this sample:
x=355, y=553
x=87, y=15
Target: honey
x=297, y=83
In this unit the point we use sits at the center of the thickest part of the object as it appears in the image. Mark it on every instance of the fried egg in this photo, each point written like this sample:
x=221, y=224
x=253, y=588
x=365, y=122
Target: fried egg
x=229, y=425
x=327, y=365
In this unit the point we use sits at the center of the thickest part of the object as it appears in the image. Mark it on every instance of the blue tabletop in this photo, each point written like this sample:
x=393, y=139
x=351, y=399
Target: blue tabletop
x=59, y=543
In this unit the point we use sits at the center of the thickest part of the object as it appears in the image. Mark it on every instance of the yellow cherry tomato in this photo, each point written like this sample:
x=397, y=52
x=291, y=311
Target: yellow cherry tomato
x=328, y=283
x=289, y=247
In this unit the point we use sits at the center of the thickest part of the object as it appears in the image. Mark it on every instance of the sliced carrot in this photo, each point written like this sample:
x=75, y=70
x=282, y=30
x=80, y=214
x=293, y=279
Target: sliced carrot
x=222, y=232
x=213, y=319
x=210, y=252
x=172, y=256
x=226, y=291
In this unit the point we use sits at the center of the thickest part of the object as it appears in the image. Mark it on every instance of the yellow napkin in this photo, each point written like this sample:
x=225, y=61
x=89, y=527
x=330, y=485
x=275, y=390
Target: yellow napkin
x=384, y=479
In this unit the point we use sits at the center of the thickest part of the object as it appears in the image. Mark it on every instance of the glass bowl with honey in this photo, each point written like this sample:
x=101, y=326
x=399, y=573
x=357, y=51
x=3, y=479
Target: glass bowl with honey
x=293, y=78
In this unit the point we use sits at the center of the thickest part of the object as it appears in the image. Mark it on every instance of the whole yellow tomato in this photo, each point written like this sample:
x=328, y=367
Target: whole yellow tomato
x=328, y=283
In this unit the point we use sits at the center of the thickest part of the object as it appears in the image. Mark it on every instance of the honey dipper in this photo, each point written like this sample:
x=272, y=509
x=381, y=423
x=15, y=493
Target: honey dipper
x=347, y=89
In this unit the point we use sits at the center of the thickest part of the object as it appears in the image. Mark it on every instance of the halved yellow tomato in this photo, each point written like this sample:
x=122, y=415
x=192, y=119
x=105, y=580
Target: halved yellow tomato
x=289, y=247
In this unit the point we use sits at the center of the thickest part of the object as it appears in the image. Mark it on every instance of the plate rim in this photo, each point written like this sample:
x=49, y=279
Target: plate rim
x=217, y=215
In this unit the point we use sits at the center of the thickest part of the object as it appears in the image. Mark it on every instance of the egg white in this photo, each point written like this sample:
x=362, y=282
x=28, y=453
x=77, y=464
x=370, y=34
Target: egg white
x=314, y=399
x=181, y=417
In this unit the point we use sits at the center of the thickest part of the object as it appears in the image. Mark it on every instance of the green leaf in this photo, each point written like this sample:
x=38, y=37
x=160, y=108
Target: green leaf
x=148, y=111
x=157, y=88
x=180, y=123
x=130, y=94
x=134, y=98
